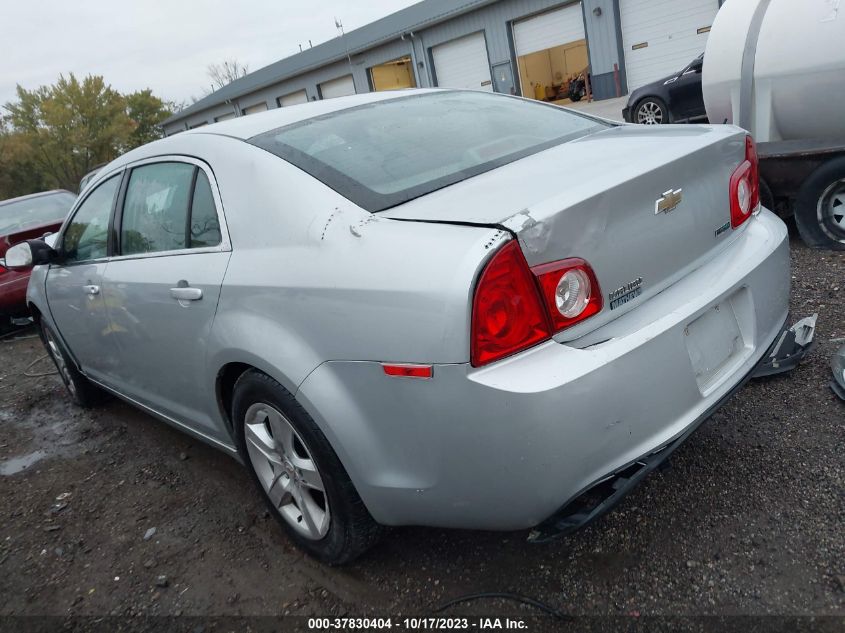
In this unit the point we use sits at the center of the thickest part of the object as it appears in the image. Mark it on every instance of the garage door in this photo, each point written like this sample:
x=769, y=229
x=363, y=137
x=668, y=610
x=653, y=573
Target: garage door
x=293, y=99
x=339, y=87
x=258, y=107
x=660, y=37
x=549, y=30
x=463, y=63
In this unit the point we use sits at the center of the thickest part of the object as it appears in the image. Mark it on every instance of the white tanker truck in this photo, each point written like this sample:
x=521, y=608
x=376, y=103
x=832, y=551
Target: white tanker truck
x=777, y=69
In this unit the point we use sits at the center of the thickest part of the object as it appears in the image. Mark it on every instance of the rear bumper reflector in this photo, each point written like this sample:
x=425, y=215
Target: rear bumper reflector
x=407, y=371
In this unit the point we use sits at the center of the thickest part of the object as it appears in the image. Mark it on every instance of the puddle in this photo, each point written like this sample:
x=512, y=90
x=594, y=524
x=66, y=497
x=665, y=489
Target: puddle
x=15, y=465
x=47, y=429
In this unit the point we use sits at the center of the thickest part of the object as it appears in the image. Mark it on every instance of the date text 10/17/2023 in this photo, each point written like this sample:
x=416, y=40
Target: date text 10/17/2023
x=418, y=623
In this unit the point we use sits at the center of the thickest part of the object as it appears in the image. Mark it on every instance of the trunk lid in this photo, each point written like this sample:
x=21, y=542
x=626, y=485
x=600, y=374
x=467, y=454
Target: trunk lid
x=595, y=198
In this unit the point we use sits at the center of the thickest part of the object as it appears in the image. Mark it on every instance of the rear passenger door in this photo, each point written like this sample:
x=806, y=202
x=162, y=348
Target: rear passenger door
x=162, y=286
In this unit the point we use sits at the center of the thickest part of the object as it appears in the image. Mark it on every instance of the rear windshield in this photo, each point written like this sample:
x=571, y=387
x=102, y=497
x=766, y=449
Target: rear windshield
x=382, y=154
x=16, y=216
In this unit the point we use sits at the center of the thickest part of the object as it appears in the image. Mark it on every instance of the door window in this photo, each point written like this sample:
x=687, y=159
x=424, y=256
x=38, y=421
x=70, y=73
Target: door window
x=86, y=237
x=168, y=207
x=155, y=213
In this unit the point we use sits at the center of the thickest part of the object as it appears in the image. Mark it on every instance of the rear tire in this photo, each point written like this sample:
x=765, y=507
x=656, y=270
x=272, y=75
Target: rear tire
x=651, y=111
x=820, y=206
x=298, y=472
x=82, y=391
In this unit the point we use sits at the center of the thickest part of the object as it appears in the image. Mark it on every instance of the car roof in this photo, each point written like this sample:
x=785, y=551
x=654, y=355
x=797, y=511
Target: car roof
x=245, y=127
x=35, y=195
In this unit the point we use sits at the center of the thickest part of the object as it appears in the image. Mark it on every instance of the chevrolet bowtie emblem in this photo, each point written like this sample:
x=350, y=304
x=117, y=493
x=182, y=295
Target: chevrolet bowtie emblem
x=668, y=201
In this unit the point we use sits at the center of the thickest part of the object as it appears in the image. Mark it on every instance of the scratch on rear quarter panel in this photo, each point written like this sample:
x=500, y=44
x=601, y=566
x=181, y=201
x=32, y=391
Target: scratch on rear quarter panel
x=356, y=229
x=533, y=235
x=329, y=221
x=612, y=425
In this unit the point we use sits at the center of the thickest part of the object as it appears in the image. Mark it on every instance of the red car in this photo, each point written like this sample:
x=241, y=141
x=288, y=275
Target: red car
x=26, y=218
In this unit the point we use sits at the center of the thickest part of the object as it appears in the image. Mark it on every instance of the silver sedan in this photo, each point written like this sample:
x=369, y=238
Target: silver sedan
x=435, y=308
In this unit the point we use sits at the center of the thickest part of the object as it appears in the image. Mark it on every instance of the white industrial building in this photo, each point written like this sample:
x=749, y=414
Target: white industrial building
x=531, y=48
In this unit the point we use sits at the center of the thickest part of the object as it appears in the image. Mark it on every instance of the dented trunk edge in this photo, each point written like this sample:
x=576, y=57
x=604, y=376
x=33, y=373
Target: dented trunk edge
x=611, y=489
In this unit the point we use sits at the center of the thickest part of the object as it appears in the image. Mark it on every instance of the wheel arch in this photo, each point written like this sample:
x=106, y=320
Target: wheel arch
x=224, y=390
x=34, y=311
x=227, y=376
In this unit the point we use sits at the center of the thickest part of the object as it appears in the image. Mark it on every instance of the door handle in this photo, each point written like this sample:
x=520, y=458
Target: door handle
x=186, y=294
x=91, y=289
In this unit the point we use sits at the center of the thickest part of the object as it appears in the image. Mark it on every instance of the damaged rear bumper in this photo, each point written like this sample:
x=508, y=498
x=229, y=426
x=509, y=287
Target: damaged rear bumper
x=789, y=347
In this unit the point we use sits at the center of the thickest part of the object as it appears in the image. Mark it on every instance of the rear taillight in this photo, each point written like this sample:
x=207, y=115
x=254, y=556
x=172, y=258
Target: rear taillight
x=745, y=186
x=516, y=307
x=507, y=313
x=570, y=291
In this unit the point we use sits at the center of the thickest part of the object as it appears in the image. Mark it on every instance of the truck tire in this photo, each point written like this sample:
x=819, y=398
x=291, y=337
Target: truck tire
x=820, y=206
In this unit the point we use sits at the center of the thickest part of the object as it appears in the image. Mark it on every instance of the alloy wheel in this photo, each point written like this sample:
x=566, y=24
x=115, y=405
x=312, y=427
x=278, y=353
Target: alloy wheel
x=831, y=210
x=287, y=471
x=649, y=113
x=59, y=359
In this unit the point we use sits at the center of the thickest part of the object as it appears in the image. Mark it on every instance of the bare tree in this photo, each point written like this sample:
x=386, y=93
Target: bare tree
x=225, y=73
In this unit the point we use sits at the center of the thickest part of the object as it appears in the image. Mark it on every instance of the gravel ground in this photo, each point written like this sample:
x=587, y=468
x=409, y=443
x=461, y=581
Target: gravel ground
x=121, y=515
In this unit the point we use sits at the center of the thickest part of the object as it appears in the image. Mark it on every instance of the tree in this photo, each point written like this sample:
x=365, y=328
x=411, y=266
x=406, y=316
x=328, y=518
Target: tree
x=18, y=173
x=63, y=131
x=225, y=73
x=71, y=126
x=147, y=112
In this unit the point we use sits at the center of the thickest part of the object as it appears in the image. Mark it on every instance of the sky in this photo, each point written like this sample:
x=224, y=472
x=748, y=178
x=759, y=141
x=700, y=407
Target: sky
x=165, y=45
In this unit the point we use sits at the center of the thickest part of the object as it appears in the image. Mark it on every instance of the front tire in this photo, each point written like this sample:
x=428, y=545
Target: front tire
x=81, y=390
x=298, y=472
x=651, y=111
x=820, y=206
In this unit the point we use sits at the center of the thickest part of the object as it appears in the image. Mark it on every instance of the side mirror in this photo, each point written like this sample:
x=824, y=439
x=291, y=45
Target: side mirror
x=694, y=68
x=27, y=254
x=19, y=257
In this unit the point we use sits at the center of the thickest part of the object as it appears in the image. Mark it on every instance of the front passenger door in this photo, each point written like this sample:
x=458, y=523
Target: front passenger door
x=74, y=286
x=685, y=92
x=162, y=287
